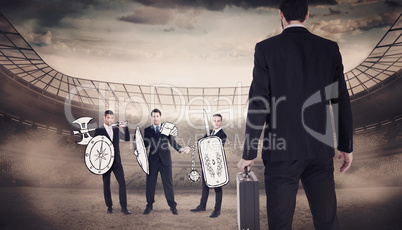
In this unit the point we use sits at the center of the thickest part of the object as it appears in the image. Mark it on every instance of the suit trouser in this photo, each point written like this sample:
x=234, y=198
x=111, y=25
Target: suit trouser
x=205, y=193
x=166, y=175
x=281, y=185
x=117, y=169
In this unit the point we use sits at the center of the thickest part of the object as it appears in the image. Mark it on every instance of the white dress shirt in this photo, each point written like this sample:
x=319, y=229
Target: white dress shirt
x=215, y=131
x=109, y=130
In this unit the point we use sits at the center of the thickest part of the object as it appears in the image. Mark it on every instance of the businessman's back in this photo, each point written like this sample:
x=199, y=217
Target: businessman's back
x=296, y=76
x=291, y=70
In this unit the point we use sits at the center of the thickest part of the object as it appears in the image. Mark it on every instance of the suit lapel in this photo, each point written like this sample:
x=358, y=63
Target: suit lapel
x=216, y=134
x=152, y=130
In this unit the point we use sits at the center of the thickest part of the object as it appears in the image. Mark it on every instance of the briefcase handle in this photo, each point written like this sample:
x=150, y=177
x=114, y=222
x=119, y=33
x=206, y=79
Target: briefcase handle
x=246, y=172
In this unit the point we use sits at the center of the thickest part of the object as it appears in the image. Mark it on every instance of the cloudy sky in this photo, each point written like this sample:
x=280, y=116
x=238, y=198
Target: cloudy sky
x=182, y=42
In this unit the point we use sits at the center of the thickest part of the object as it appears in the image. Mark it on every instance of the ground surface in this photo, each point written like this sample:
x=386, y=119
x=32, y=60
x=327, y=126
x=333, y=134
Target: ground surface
x=56, y=208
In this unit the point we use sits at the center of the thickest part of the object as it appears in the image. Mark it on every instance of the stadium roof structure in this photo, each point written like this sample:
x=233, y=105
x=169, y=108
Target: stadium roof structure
x=31, y=71
x=383, y=62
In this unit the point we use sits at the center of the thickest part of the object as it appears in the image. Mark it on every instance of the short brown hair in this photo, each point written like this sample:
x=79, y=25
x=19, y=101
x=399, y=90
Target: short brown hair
x=156, y=111
x=294, y=9
x=217, y=115
x=110, y=112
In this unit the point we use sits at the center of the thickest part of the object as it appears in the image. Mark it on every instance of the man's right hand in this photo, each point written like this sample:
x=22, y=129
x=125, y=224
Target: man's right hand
x=184, y=150
x=347, y=161
x=245, y=163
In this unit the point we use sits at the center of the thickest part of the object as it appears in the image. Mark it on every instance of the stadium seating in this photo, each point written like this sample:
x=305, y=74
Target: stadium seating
x=57, y=161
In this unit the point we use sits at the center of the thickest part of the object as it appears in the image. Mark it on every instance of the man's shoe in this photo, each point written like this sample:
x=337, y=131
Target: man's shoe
x=125, y=211
x=198, y=209
x=215, y=214
x=147, y=210
x=110, y=210
x=174, y=211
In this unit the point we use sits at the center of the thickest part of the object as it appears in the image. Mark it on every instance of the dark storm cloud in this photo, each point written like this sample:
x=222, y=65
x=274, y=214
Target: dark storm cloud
x=333, y=12
x=331, y=29
x=218, y=5
x=47, y=13
x=391, y=3
x=383, y=19
x=151, y=16
x=182, y=18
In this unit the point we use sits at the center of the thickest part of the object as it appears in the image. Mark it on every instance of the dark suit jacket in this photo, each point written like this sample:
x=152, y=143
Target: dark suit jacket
x=221, y=134
x=117, y=134
x=159, y=146
x=288, y=69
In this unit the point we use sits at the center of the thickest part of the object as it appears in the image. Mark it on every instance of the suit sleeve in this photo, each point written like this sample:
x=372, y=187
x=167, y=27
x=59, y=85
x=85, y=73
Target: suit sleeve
x=96, y=132
x=258, y=106
x=124, y=135
x=173, y=143
x=223, y=137
x=344, y=123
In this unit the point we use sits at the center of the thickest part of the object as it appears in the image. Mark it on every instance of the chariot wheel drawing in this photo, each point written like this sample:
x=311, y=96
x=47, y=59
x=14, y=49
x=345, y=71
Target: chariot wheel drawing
x=194, y=176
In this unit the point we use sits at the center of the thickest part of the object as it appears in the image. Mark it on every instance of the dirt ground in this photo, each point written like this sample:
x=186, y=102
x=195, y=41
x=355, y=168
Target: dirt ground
x=57, y=208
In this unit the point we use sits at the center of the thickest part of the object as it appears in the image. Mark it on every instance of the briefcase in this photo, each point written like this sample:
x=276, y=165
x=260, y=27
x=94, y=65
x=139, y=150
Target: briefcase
x=248, y=202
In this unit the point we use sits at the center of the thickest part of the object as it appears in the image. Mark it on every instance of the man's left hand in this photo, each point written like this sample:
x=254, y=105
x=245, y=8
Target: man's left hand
x=347, y=160
x=122, y=125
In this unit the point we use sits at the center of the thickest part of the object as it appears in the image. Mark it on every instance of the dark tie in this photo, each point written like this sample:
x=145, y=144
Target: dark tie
x=157, y=131
x=212, y=132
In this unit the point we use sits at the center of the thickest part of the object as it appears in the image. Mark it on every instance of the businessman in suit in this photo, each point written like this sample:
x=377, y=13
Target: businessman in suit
x=296, y=76
x=114, y=135
x=160, y=161
x=217, y=131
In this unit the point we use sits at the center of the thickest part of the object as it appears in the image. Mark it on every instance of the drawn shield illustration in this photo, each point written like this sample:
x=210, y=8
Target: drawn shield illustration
x=140, y=151
x=213, y=159
x=99, y=155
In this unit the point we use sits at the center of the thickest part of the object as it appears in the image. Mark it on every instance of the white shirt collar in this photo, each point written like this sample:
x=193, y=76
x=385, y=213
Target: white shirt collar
x=153, y=125
x=107, y=126
x=217, y=130
x=295, y=25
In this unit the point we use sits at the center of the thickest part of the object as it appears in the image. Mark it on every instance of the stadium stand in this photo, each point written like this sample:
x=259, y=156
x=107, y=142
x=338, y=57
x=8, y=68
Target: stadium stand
x=38, y=148
x=35, y=159
x=49, y=90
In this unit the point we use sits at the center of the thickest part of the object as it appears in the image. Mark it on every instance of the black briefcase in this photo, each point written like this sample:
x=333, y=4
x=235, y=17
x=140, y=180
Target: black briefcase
x=248, y=202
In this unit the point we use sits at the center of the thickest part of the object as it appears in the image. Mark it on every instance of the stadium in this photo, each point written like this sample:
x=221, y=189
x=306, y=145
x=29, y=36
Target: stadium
x=45, y=184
